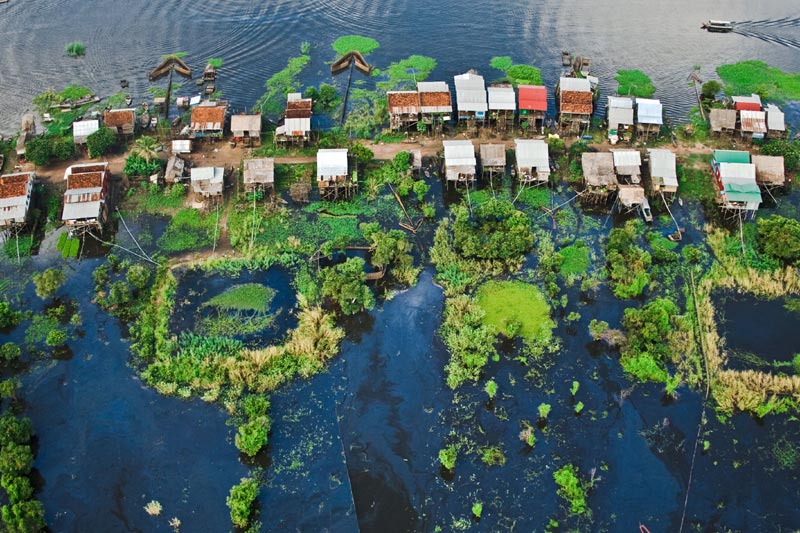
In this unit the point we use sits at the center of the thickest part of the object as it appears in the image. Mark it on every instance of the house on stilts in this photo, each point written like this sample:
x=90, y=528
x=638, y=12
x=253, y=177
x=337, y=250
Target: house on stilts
x=776, y=122
x=246, y=129
x=15, y=199
x=258, y=174
x=599, y=178
x=333, y=175
x=770, y=172
x=663, y=173
x=471, y=100
x=722, y=121
x=628, y=168
x=207, y=183
x=649, y=118
x=533, y=161
x=734, y=178
x=435, y=104
x=404, y=107
x=532, y=107
x=575, y=104
x=493, y=159
x=502, y=106
x=85, y=200
x=296, y=126
x=459, y=162
x=620, y=118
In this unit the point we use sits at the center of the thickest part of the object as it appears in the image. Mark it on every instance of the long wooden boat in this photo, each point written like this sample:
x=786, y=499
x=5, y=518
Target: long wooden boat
x=566, y=58
x=718, y=26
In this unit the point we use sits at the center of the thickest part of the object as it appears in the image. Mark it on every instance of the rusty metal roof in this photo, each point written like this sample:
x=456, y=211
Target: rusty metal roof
x=753, y=121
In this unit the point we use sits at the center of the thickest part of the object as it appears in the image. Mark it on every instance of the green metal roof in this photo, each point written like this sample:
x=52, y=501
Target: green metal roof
x=731, y=156
x=742, y=192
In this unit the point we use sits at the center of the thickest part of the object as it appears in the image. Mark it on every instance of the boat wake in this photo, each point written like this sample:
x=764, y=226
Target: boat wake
x=786, y=22
x=766, y=37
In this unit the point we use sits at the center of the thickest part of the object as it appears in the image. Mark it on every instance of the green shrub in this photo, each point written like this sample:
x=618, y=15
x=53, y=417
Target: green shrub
x=10, y=351
x=496, y=230
x=18, y=488
x=780, y=237
x=628, y=264
x=448, y=456
x=136, y=165
x=477, y=509
x=492, y=456
x=55, y=338
x=24, y=517
x=346, y=285
x=188, y=230
x=13, y=429
x=75, y=49
x=491, y=389
x=15, y=459
x=252, y=436
x=8, y=317
x=469, y=341
x=240, y=501
x=544, y=410
x=48, y=282
x=571, y=489
x=99, y=142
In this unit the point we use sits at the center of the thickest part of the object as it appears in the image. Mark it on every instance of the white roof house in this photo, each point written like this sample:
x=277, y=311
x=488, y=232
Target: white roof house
x=182, y=146
x=663, y=171
x=620, y=111
x=649, y=111
x=628, y=163
x=246, y=125
x=775, y=118
x=82, y=129
x=15, y=197
x=331, y=163
x=459, y=160
x=471, y=94
x=207, y=181
x=579, y=85
x=533, y=159
x=502, y=98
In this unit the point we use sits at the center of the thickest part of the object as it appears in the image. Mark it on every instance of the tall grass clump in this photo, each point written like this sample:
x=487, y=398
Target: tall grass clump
x=75, y=49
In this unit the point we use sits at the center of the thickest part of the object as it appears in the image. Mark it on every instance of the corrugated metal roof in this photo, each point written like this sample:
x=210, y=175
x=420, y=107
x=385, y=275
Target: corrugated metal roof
x=769, y=169
x=81, y=210
x=627, y=158
x=459, y=153
x=293, y=97
x=331, y=162
x=533, y=97
x=502, y=98
x=737, y=172
x=621, y=102
x=181, y=146
x=245, y=123
x=297, y=126
x=753, y=121
x=775, y=119
x=649, y=111
x=532, y=153
x=751, y=103
x=470, y=92
x=618, y=115
x=731, y=156
x=598, y=169
x=722, y=119
x=403, y=102
x=630, y=195
x=433, y=87
x=84, y=128
x=580, y=85
x=261, y=170
x=493, y=155
x=662, y=165
x=211, y=174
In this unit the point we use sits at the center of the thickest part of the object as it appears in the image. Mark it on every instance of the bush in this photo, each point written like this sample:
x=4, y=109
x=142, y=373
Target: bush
x=252, y=436
x=496, y=230
x=13, y=429
x=240, y=501
x=780, y=237
x=448, y=456
x=628, y=264
x=10, y=351
x=38, y=151
x=138, y=276
x=18, y=488
x=346, y=285
x=56, y=338
x=8, y=317
x=136, y=165
x=571, y=489
x=100, y=141
x=645, y=352
x=24, y=517
x=75, y=49
x=48, y=282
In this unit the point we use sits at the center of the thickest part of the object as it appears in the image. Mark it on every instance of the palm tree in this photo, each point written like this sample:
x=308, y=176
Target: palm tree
x=146, y=148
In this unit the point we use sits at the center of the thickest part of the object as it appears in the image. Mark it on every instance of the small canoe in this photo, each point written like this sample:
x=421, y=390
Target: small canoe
x=566, y=58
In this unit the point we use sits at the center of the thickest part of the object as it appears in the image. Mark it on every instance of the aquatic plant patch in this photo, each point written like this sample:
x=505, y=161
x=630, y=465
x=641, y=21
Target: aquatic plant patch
x=517, y=74
x=576, y=258
x=245, y=297
x=355, y=43
x=515, y=308
x=188, y=230
x=634, y=83
x=405, y=74
x=283, y=82
x=754, y=76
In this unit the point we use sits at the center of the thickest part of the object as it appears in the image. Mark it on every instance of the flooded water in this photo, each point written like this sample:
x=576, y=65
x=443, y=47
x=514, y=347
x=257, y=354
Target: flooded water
x=357, y=448
x=255, y=39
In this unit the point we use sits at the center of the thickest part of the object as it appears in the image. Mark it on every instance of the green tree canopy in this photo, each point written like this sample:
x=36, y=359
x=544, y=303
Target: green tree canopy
x=48, y=282
x=780, y=237
x=346, y=285
x=496, y=230
x=100, y=141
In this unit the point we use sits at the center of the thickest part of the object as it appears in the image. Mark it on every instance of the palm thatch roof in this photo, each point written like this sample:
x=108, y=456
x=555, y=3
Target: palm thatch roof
x=171, y=63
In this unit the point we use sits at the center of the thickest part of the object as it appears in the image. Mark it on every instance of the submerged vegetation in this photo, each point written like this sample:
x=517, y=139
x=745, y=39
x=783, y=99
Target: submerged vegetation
x=517, y=74
x=515, y=308
x=75, y=49
x=355, y=43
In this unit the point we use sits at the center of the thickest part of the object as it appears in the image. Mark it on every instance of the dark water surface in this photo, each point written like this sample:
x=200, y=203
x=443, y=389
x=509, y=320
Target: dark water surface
x=255, y=39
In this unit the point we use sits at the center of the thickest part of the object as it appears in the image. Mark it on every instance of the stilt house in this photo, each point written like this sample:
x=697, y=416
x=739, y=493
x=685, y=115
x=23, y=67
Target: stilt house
x=246, y=129
x=735, y=182
x=122, y=121
x=752, y=124
x=404, y=107
x=575, y=103
x=471, y=97
x=663, y=172
x=15, y=198
x=297, y=120
x=85, y=198
x=434, y=101
x=333, y=176
x=723, y=121
x=649, y=117
x=628, y=166
x=459, y=162
x=208, y=182
x=502, y=105
x=259, y=174
x=208, y=119
x=620, y=118
x=532, y=105
x=770, y=171
x=533, y=161
x=493, y=158
x=598, y=175
x=776, y=123
x=82, y=129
